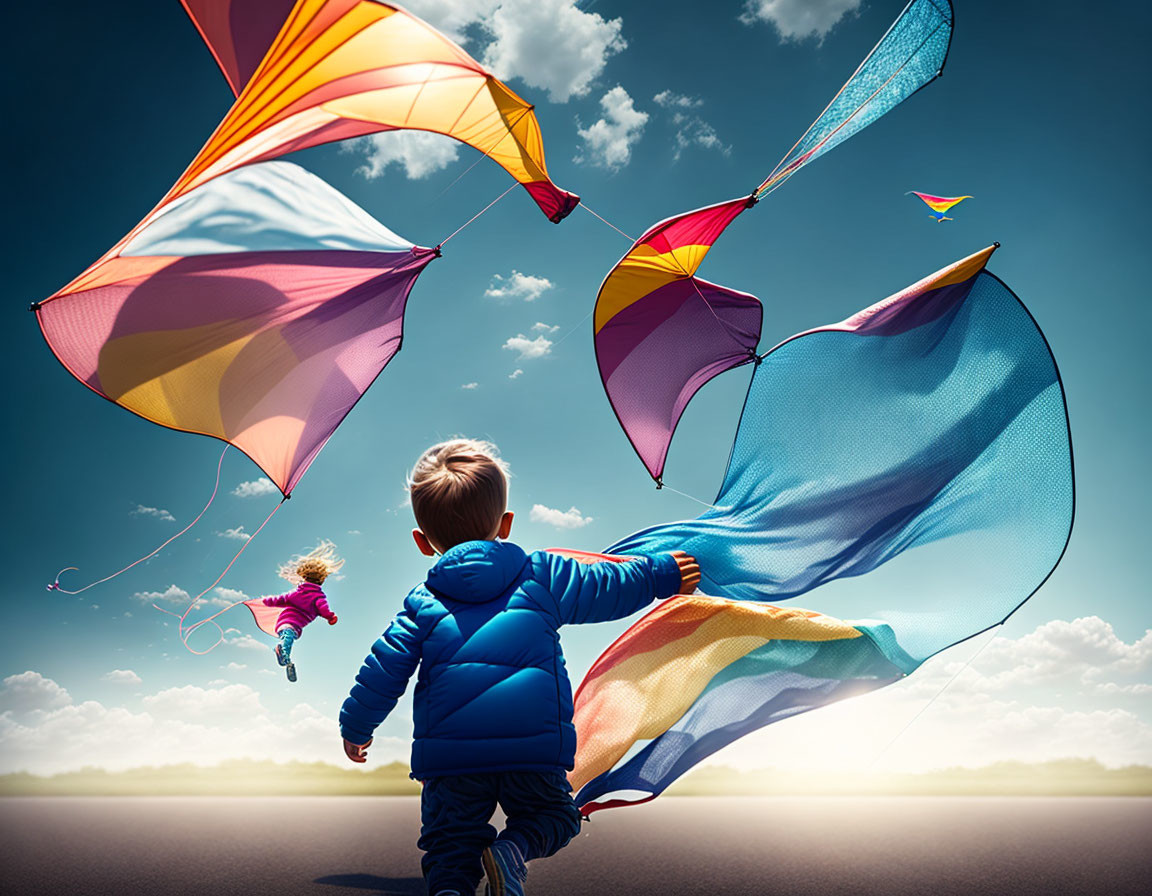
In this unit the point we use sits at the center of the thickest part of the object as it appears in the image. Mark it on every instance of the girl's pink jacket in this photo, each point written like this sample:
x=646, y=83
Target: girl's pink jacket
x=301, y=606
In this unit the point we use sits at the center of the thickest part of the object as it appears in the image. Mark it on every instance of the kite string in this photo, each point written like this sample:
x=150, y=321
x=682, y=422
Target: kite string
x=935, y=697
x=591, y=310
x=584, y=205
x=686, y=495
x=477, y=215
x=55, y=586
x=185, y=634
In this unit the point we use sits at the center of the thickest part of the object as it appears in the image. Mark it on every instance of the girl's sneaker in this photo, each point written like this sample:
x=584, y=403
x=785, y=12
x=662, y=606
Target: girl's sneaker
x=290, y=671
x=505, y=869
x=280, y=657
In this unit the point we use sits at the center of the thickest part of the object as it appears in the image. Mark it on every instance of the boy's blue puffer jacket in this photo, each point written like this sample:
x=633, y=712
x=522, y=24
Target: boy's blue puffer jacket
x=492, y=693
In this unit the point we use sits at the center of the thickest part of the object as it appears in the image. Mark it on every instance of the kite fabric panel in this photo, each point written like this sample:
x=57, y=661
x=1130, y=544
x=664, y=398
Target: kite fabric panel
x=911, y=55
x=257, y=308
x=933, y=420
x=347, y=68
x=653, y=314
x=939, y=204
x=238, y=32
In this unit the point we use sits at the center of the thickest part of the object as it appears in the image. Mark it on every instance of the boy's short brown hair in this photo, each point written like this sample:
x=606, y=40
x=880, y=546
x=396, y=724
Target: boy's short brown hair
x=459, y=492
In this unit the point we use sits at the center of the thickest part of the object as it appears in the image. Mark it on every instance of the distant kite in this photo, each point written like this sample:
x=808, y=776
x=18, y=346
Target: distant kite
x=938, y=204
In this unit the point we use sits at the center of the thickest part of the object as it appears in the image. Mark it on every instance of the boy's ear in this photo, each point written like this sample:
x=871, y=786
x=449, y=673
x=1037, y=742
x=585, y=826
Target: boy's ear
x=423, y=543
x=505, y=525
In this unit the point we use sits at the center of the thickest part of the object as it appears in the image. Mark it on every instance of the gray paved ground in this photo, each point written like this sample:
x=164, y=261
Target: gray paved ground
x=362, y=845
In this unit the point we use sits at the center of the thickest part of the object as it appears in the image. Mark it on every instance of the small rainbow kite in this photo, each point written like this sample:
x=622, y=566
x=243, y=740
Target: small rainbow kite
x=938, y=204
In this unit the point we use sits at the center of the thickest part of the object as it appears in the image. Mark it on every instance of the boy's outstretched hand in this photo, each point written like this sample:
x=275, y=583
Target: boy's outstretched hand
x=332, y=621
x=357, y=752
x=689, y=571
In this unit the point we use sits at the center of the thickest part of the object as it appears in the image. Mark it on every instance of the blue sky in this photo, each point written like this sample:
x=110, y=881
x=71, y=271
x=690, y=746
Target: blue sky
x=1037, y=116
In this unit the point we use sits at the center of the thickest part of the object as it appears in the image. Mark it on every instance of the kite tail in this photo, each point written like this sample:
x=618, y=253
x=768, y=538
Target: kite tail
x=55, y=586
x=186, y=631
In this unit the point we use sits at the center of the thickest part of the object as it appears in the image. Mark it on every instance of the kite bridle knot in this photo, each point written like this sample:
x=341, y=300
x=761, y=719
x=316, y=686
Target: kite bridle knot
x=436, y=251
x=35, y=306
x=659, y=482
x=751, y=200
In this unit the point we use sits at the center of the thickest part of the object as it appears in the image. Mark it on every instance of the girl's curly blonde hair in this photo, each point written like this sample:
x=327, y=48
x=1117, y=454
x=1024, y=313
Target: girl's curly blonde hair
x=315, y=566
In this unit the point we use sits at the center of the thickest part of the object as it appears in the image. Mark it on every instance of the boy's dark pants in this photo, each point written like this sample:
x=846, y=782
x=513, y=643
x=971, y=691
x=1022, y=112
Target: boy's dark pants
x=455, y=811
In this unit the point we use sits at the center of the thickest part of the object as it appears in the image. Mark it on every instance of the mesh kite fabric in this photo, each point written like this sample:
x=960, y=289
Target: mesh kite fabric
x=933, y=420
x=257, y=308
x=909, y=56
x=345, y=68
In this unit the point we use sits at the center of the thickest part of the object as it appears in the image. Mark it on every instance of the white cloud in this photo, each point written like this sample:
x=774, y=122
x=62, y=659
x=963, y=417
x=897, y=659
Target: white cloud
x=608, y=142
x=256, y=488
x=561, y=519
x=224, y=597
x=551, y=44
x=234, y=667
x=195, y=702
x=541, y=327
x=669, y=100
x=154, y=512
x=690, y=128
x=529, y=348
x=247, y=642
x=121, y=676
x=171, y=595
x=186, y=724
x=236, y=534
x=1085, y=652
x=695, y=131
x=418, y=153
x=453, y=17
x=354, y=532
x=1030, y=699
x=518, y=286
x=516, y=374
x=31, y=692
x=470, y=386
x=799, y=19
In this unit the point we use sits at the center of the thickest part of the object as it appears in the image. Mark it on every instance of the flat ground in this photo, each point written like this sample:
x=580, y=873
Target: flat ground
x=352, y=846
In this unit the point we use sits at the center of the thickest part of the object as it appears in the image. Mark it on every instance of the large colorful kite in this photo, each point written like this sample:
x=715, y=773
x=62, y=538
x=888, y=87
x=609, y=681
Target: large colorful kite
x=257, y=308
x=325, y=70
x=255, y=303
x=652, y=308
x=932, y=420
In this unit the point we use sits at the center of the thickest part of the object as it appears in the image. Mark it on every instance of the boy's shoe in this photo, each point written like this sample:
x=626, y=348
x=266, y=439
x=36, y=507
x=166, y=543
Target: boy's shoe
x=280, y=657
x=505, y=869
x=290, y=671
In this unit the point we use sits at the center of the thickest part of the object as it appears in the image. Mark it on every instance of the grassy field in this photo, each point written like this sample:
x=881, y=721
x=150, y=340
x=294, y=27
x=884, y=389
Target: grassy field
x=1069, y=777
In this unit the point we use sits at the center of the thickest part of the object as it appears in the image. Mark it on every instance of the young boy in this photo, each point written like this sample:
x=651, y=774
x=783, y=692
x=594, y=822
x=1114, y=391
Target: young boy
x=493, y=704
